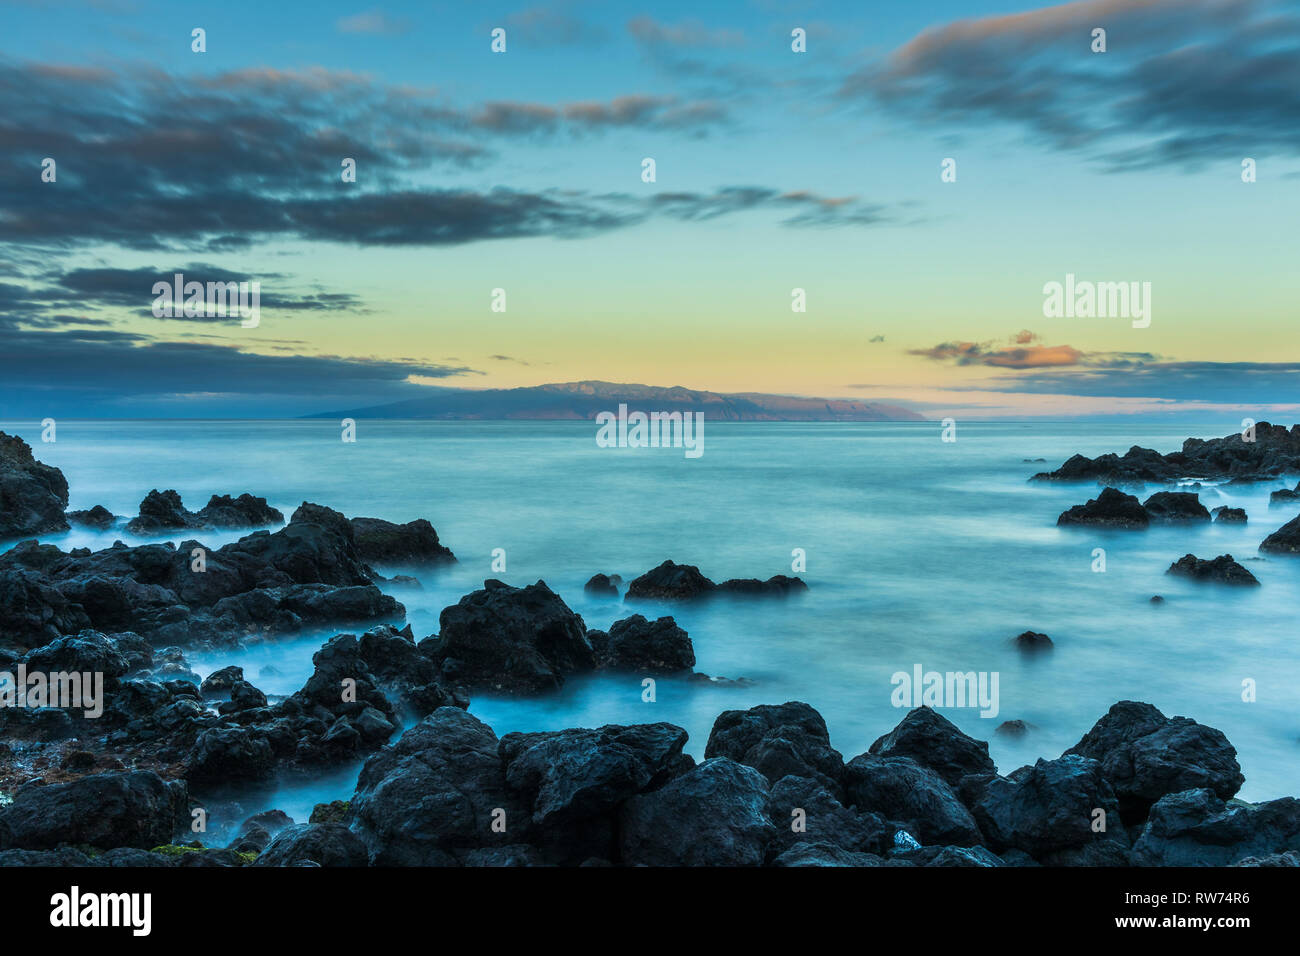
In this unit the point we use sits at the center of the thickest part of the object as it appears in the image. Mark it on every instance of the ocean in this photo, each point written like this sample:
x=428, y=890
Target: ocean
x=918, y=553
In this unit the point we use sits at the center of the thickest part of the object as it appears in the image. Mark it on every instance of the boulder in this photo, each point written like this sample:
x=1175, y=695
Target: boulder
x=1221, y=570
x=935, y=742
x=778, y=740
x=1175, y=507
x=1196, y=828
x=648, y=647
x=33, y=495
x=518, y=640
x=903, y=790
x=821, y=853
x=412, y=544
x=1111, y=509
x=99, y=518
x=713, y=815
x=602, y=585
x=1285, y=540
x=135, y=809
x=802, y=810
x=670, y=582
x=1032, y=642
x=1145, y=755
x=325, y=844
x=1225, y=515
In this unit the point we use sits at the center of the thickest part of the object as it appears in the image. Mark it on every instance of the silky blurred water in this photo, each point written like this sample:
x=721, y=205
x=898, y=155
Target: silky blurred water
x=918, y=552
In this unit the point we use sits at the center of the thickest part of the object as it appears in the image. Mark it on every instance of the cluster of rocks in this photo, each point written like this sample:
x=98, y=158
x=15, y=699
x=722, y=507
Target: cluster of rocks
x=1223, y=570
x=1274, y=452
x=684, y=582
x=1138, y=789
x=163, y=511
x=1115, y=509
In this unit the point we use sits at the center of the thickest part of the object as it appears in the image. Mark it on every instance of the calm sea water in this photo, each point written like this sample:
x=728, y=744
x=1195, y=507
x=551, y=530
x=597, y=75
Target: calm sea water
x=918, y=552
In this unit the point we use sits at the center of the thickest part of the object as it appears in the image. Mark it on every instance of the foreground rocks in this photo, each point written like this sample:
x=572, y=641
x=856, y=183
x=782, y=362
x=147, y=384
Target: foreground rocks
x=1139, y=788
x=1274, y=452
x=33, y=495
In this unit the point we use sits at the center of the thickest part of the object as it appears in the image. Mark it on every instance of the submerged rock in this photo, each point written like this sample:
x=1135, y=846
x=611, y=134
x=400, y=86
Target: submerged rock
x=98, y=517
x=1223, y=570
x=1111, y=509
x=684, y=582
x=162, y=511
x=1032, y=642
x=1225, y=515
x=412, y=544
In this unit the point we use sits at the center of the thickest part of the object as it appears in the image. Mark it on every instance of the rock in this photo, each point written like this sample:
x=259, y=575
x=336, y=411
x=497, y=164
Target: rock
x=135, y=809
x=777, y=741
x=1014, y=728
x=1196, y=828
x=1222, y=570
x=803, y=802
x=34, y=612
x=1273, y=452
x=1032, y=642
x=220, y=682
x=336, y=811
x=952, y=856
x=1225, y=515
x=935, y=742
x=325, y=844
x=519, y=640
x=1156, y=599
x=670, y=582
x=571, y=775
x=1285, y=540
x=810, y=853
x=434, y=794
x=1111, y=509
x=162, y=511
x=98, y=517
x=713, y=815
x=33, y=495
x=1050, y=807
x=514, y=855
x=648, y=647
x=1173, y=507
x=230, y=755
x=412, y=544
x=64, y=856
x=1289, y=858
x=900, y=789
x=86, y=652
x=1284, y=496
x=602, y=585
x=779, y=585
x=1145, y=755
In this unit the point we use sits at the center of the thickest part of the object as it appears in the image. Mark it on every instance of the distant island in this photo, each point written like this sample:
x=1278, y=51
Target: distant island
x=578, y=401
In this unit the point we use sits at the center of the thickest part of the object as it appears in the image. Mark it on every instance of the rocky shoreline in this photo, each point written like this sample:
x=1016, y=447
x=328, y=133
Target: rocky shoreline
x=125, y=786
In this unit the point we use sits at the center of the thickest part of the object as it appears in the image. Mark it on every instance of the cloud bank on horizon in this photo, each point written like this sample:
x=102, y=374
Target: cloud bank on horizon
x=919, y=175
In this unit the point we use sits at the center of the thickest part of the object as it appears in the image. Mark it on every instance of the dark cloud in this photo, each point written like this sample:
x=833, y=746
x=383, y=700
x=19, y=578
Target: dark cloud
x=1184, y=82
x=102, y=370
x=807, y=208
x=1029, y=356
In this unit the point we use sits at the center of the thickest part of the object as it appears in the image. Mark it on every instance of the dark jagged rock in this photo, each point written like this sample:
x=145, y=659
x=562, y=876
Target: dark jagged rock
x=1196, y=828
x=33, y=495
x=412, y=544
x=231, y=755
x=1174, y=507
x=935, y=742
x=821, y=853
x=163, y=511
x=220, y=682
x=1048, y=808
x=98, y=517
x=684, y=582
x=670, y=582
x=1284, y=496
x=1145, y=755
x=715, y=814
x=325, y=844
x=570, y=775
x=602, y=585
x=778, y=740
x=1225, y=515
x=1111, y=509
x=802, y=810
x=1274, y=452
x=1032, y=642
x=901, y=789
x=650, y=647
x=519, y=640
x=431, y=796
x=1285, y=540
x=1222, y=570
x=308, y=573
x=109, y=810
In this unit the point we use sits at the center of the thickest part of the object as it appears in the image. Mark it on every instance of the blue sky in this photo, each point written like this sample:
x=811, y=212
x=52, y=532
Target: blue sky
x=775, y=171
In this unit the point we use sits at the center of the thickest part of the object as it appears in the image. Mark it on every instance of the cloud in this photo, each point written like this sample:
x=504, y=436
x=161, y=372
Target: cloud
x=550, y=26
x=1234, y=383
x=373, y=22
x=1184, y=82
x=688, y=33
x=1028, y=356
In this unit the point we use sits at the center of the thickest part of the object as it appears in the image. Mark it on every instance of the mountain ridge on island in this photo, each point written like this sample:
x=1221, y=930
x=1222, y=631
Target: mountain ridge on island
x=580, y=401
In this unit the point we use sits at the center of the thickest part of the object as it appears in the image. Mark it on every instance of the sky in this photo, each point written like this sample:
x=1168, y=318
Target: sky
x=775, y=170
